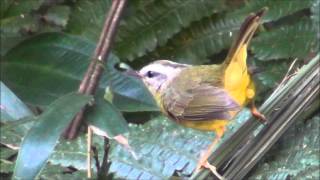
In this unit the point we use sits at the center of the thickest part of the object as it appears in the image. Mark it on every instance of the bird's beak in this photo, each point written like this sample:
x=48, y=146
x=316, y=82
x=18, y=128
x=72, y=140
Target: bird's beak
x=133, y=73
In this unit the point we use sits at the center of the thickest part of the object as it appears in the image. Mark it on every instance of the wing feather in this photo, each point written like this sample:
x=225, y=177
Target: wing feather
x=198, y=102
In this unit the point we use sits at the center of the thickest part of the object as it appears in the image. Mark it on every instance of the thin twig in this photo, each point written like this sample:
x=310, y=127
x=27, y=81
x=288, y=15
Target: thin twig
x=94, y=72
x=287, y=76
x=96, y=157
x=89, y=152
x=104, y=168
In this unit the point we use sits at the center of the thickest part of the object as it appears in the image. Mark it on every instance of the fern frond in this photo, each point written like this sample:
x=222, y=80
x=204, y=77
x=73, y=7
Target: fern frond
x=289, y=41
x=211, y=35
x=157, y=22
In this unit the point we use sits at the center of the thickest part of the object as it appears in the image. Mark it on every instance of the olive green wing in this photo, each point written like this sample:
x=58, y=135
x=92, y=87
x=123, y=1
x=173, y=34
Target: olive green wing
x=198, y=101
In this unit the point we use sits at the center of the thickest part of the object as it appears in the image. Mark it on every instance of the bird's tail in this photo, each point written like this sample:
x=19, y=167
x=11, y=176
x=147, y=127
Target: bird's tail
x=237, y=80
x=240, y=44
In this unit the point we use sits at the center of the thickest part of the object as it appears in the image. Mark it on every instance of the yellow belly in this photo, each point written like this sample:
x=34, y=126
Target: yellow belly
x=210, y=125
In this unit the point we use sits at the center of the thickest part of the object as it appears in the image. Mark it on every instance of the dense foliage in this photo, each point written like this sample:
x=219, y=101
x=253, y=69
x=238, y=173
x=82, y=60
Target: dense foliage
x=46, y=47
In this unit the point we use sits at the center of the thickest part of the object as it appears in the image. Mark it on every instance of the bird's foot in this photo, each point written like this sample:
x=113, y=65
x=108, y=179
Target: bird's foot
x=212, y=168
x=255, y=112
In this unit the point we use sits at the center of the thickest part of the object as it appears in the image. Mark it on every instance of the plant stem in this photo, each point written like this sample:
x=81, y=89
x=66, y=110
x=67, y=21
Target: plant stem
x=105, y=165
x=91, y=79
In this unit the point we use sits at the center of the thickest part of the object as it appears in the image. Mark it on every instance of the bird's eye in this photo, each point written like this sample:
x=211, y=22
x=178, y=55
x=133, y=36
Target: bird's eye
x=151, y=74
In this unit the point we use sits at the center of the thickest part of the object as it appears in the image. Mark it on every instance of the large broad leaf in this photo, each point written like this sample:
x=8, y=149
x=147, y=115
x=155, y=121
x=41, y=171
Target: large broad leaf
x=129, y=93
x=31, y=68
x=209, y=36
x=107, y=118
x=46, y=67
x=294, y=41
x=40, y=141
x=163, y=148
x=296, y=154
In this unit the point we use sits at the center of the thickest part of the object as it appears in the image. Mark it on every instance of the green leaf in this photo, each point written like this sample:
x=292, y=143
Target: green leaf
x=12, y=108
x=13, y=114
x=13, y=135
x=74, y=152
x=87, y=18
x=153, y=25
x=16, y=19
x=162, y=148
x=210, y=35
x=31, y=67
x=5, y=153
x=315, y=17
x=289, y=41
x=12, y=30
x=296, y=154
x=40, y=141
x=63, y=59
x=6, y=165
x=53, y=172
x=11, y=8
x=58, y=15
x=315, y=13
x=129, y=93
x=272, y=73
x=144, y=25
x=107, y=118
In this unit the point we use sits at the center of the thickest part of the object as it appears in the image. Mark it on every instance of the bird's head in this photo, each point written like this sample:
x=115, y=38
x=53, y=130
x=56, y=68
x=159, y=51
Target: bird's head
x=158, y=74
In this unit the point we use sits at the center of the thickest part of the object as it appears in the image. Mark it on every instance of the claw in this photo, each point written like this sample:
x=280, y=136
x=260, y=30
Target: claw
x=203, y=161
x=255, y=112
x=207, y=165
x=213, y=169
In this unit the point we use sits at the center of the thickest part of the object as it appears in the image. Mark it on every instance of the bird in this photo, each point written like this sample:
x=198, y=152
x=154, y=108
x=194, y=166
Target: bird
x=206, y=97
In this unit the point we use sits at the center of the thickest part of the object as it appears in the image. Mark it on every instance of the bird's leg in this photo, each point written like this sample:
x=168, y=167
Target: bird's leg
x=203, y=161
x=255, y=112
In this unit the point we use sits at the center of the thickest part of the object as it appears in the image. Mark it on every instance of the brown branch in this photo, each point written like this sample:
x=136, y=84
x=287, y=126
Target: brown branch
x=91, y=79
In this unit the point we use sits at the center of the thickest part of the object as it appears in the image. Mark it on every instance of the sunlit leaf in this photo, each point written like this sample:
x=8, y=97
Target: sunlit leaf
x=13, y=111
x=12, y=108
